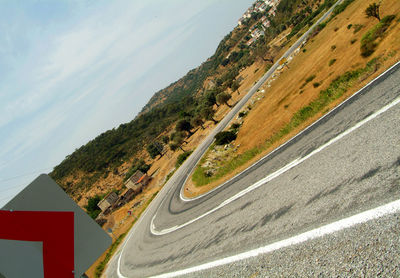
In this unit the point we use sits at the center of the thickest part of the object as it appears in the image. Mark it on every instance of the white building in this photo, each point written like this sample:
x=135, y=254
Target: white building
x=257, y=33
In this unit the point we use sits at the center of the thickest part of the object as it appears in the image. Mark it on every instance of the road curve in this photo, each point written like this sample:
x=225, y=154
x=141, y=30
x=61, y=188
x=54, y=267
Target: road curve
x=344, y=164
x=338, y=167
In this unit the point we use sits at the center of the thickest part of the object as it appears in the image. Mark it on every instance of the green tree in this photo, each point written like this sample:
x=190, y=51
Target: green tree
x=229, y=83
x=182, y=157
x=173, y=146
x=154, y=149
x=235, y=86
x=373, y=11
x=165, y=139
x=197, y=121
x=92, y=209
x=224, y=137
x=184, y=125
x=177, y=138
x=210, y=98
x=223, y=98
x=208, y=113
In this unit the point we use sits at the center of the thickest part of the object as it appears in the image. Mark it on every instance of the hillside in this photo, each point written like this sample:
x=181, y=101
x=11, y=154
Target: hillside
x=179, y=117
x=326, y=70
x=103, y=163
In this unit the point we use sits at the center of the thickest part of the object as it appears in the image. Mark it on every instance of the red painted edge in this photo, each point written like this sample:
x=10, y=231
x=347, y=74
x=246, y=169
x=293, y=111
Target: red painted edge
x=54, y=229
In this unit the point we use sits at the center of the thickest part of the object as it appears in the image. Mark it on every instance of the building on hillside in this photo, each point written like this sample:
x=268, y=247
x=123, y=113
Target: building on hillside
x=134, y=178
x=250, y=41
x=268, y=2
x=137, y=181
x=125, y=197
x=260, y=6
x=265, y=22
x=144, y=180
x=252, y=28
x=108, y=201
x=272, y=12
x=257, y=33
x=272, y=3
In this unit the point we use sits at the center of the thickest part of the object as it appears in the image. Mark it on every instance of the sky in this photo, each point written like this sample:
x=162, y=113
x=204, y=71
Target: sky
x=70, y=70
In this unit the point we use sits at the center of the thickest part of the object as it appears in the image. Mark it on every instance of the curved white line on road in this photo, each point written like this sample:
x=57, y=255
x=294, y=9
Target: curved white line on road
x=227, y=201
x=360, y=218
x=272, y=176
x=185, y=199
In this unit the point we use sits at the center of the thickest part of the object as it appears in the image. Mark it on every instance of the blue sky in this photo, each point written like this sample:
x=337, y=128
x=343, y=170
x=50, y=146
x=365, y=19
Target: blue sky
x=70, y=70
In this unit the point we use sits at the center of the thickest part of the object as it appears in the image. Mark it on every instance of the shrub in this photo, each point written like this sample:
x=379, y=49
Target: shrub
x=224, y=137
x=367, y=48
x=357, y=27
x=353, y=41
x=331, y=62
x=225, y=62
x=182, y=157
x=169, y=175
x=235, y=126
x=316, y=84
x=321, y=26
x=165, y=139
x=242, y=114
x=333, y=47
x=368, y=41
x=310, y=78
x=318, y=29
x=92, y=209
x=349, y=26
x=340, y=8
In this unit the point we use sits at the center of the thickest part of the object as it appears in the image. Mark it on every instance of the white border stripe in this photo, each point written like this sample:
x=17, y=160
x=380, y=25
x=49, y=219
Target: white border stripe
x=274, y=175
x=186, y=199
x=363, y=217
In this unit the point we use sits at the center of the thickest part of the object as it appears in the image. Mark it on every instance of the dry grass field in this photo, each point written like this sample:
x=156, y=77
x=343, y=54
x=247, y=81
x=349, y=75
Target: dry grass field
x=331, y=53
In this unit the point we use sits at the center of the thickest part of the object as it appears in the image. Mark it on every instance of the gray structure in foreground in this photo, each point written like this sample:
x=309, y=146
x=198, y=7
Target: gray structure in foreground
x=43, y=194
x=28, y=254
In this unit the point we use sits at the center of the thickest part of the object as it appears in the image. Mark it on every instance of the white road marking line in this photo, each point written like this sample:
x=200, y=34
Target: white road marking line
x=185, y=199
x=220, y=261
x=277, y=173
x=363, y=217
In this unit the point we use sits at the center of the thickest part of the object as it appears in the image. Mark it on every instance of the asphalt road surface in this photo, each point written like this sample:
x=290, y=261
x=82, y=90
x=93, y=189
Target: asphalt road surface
x=346, y=163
